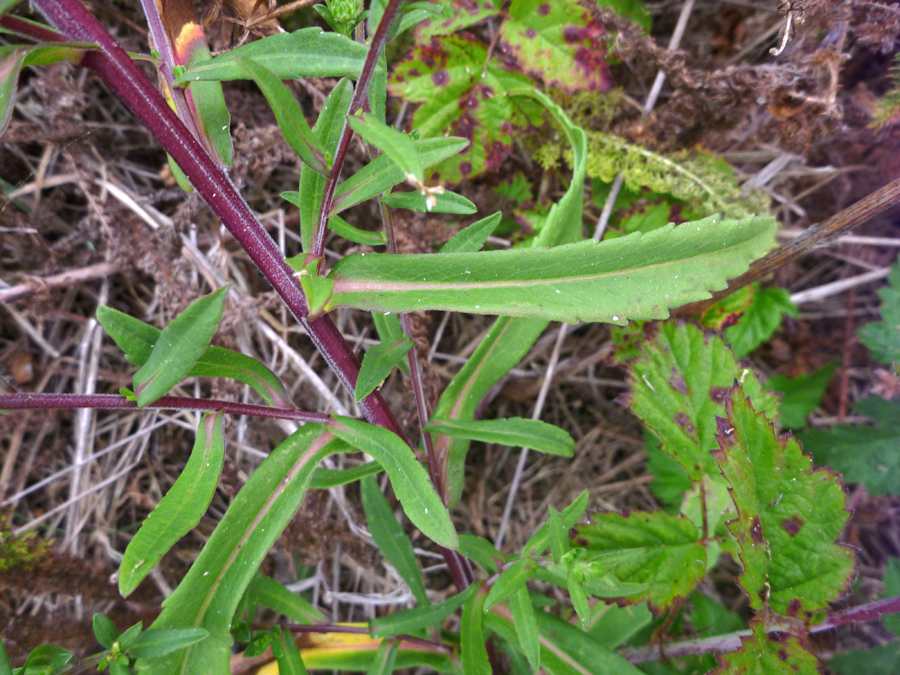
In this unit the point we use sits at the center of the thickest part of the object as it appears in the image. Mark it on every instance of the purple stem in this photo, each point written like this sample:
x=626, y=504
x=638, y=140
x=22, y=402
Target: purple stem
x=117, y=402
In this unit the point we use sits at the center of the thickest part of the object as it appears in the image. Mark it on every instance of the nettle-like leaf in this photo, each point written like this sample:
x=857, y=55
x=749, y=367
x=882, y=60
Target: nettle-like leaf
x=863, y=453
x=634, y=277
x=457, y=15
x=883, y=337
x=557, y=42
x=788, y=516
x=763, y=655
x=760, y=320
x=464, y=94
x=669, y=556
x=678, y=387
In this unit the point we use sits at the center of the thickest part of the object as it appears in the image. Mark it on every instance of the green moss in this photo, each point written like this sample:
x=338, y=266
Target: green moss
x=22, y=551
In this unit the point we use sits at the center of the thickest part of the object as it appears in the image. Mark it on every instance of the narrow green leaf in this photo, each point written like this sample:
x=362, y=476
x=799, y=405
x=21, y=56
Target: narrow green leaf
x=540, y=540
x=318, y=289
x=512, y=579
x=154, y=643
x=638, y=276
x=385, y=658
x=473, y=237
x=481, y=551
x=178, y=348
x=136, y=339
x=11, y=61
x=391, y=539
x=579, y=599
x=389, y=330
x=473, y=652
x=419, y=618
x=561, y=636
x=289, y=116
x=559, y=535
x=269, y=593
x=397, y=145
x=286, y=653
x=344, y=229
x=209, y=594
x=788, y=516
x=127, y=638
x=181, y=508
x=410, y=481
x=442, y=201
x=308, y=52
x=513, y=431
x=378, y=362
x=526, y=626
x=324, y=478
x=105, y=630
x=5, y=665
x=762, y=655
x=382, y=173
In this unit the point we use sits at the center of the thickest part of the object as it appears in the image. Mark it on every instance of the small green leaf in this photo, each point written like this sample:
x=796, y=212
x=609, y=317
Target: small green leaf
x=308, y=52
x=442, y=201
x=105, y=630
x=473, y=653
x=318, y=289
x=579, y=599
x=761, y=655
x=391, y=539
x=397, y=145
x=481, y=551
x=638, y=276
x=473, y=237
x=269, y=593
x=513, y=578
x=801, y=395
x=50, y=658
x=288, y=116
x=158, y=642
x=11, y=61
x=539, y=541
x=378, y=362
x=324, y=478
x=526, y=626
x=286, y=653
x=178, y=348
x=385, y=658
x=512, y=431
x=788, y=516
x=559, y=535
x=181, y=508
x=418, y=618
x=344, y=229
x=410, y=481
x=127, y=638
x=883, y=337
x=760, y=321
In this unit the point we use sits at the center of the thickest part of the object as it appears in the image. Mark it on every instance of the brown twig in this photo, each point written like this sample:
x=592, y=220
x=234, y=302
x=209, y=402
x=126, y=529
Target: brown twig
x=36, y=284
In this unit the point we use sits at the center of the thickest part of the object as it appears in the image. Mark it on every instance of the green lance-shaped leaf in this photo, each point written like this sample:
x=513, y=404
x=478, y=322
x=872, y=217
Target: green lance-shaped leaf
x=788, y=516
x=104, y=630
x=763, y=655
x=154, y=643
x=286, y=653
x=558, y=533
x=633, y=277
x=514, y=431
x=378, y=362
x=382, y=173
x=324, y=478
x=667, y=553
x=473, y=652
x=481, y=551
x=269, y=593
x=11, y=60
x=312, y=184
x=209, y=594
x=136, y=339
x=308, y=52
x=883, y=337
x=397, y=145
x=391, y=539
x=385, y=658
x=431, y=201
x=347, y=231
x=471, y=238
x=410, y=481
x=511, y=580
x=526, y=626
x=677, y=389
x=418, y=618
x=181, y=508
x=289, y=116
x=179, y=346
x=540, y=540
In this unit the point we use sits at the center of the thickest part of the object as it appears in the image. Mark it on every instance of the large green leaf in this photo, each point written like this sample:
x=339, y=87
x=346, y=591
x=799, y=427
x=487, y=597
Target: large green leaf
x=209, y=594
x=410, y=481
x=633, y=277
x=883, y=337
x=557, y=42
x=677, y=389
x=136, y=339
x=308, y=52
x=789, y=516
x=761, y=655
x=514, y=431
x=178, y=348
x=670, y=556
x=181, y=508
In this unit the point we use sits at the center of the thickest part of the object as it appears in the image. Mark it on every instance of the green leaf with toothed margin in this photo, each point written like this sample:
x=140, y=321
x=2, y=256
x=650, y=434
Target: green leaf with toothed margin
x=409, y=479
x=761, y=654
x=788, y=516
x=136, y=339
x=513, y=431
x=883, y=337
x=378, y=362
x=180, y=509
x=677, y=385
x=633, y=277
x=457, y=15
x=669, y=555
x=178, y=348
